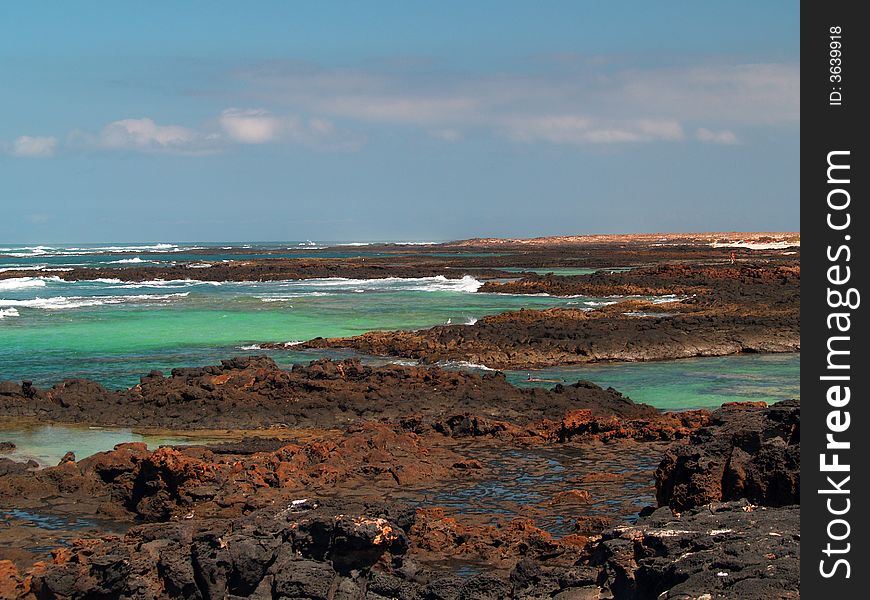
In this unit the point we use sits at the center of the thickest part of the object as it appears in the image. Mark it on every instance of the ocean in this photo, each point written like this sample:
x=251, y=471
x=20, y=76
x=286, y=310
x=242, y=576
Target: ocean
x=114, y=332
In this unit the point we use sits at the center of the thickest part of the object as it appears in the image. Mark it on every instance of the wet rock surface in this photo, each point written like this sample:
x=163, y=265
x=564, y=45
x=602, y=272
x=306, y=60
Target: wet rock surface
x=481, y=485
x=132, y=481
x=355, y=513
x=729, y=522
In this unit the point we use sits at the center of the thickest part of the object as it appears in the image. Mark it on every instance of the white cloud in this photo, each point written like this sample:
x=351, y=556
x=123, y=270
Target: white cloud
x=251, y=126
x=725, y=136
x=575, y=129
x=145, y=134
x=740, y=94
x=233, y=126
x=398, y=109
x=599, y=101
x=570, y=102
x=33, y=146
x=259, y=126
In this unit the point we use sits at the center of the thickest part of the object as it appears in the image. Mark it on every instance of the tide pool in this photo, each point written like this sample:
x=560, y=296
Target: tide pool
x=46, y=444
x=668, y=385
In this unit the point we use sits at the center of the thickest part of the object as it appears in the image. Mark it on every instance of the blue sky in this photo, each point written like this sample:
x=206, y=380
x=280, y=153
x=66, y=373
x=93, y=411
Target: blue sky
x=206, y=121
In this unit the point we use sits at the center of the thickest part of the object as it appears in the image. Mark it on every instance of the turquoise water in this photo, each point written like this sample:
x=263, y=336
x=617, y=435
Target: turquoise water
x=47, y=444
x=687, y=383
x=114, y=332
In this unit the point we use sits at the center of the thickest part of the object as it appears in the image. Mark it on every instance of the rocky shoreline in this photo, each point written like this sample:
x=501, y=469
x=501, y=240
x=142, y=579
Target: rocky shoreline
x=715, y=311
x=271, y=518
x=483, y=259
x=339, y=480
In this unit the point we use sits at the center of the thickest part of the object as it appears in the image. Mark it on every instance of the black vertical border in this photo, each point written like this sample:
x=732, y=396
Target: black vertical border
x=826, y=128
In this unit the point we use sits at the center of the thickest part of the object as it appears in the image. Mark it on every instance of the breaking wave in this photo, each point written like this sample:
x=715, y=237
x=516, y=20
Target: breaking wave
x=464, y=364
x=129, y=261
x=67, y=302
x=24, y=283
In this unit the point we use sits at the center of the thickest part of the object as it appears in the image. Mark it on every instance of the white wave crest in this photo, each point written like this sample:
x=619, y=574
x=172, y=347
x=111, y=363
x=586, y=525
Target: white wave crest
x=315, y=287
x=251, y=347
x=404, y=362
x=24, y=283
x=464, y=364
x=29, y=254
x=67, y=302
x=22, y=268
x=125, y=261
x=439, y=283
x=133, y=248
x=8, y=312
x=31, y=251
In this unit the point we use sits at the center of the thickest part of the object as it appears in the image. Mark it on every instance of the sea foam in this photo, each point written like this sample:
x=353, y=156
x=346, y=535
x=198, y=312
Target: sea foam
x=24, y=283
x=68, y=302
x=124, y=261
x=439, y=283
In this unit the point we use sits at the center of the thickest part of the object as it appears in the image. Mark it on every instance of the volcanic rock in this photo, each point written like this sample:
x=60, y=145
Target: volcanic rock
x=730, y=550
x=250, y=393
x=746, y=451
